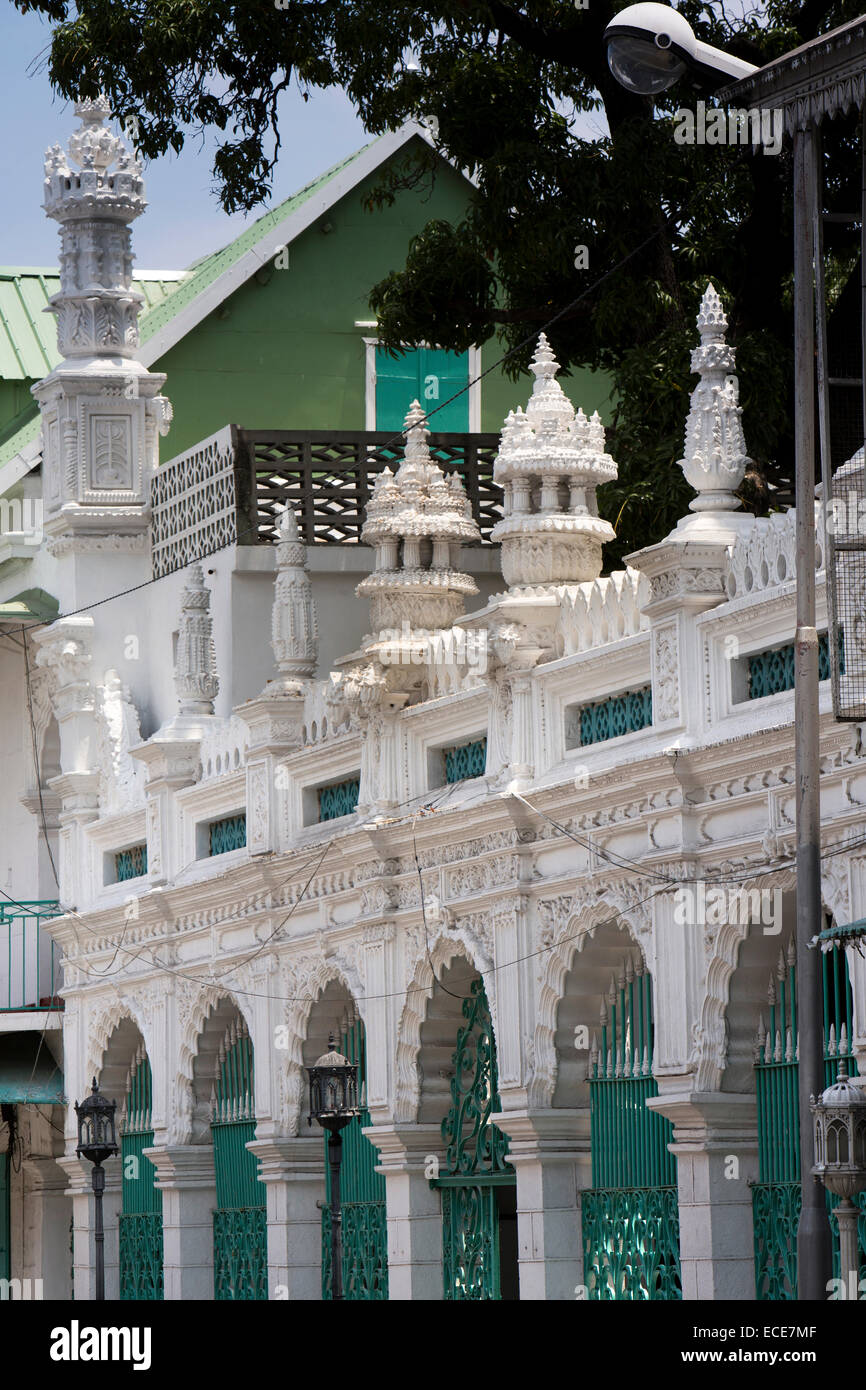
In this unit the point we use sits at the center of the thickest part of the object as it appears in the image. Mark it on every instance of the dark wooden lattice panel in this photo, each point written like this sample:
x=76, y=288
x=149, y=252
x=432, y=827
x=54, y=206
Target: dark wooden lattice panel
x=328, y=478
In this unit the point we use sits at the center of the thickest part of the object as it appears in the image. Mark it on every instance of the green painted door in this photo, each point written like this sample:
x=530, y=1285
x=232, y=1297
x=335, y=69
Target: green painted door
x=5, y=1251
x=631, y=1248
x=362, y=1198
x=140, y=1222
x=428, y=375
x=240, y=1227
x=776, y=1196
x=478, y=1185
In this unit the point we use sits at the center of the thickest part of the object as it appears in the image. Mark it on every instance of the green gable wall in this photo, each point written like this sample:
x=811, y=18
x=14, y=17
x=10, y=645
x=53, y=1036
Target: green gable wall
x=284, y=354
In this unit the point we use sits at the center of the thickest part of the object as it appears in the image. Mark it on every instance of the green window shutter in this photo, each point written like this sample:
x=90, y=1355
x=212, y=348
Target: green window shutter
x=428, y=375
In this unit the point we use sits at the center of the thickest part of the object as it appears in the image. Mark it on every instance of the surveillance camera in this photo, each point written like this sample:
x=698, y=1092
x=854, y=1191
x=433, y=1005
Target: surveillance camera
x=650, y=46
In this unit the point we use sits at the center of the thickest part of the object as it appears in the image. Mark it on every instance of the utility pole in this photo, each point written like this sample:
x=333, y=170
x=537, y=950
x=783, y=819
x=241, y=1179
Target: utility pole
x=813, y=1237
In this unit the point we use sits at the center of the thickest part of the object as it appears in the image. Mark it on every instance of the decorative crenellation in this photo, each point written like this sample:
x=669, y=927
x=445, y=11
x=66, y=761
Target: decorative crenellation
x=765, y=557
x=195, y=674
x=602, y=610
x=121, y=780
x=550, y=462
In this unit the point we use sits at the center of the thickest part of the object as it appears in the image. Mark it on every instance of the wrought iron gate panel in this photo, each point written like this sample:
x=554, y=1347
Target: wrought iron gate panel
x=776, y=1197
x=240, y=1228
x=140, y=1221
x=475, y=1160
x=362, y=1197
x=631, y=1244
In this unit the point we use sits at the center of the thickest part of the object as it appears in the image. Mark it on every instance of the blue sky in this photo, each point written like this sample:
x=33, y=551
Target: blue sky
x=183, y=220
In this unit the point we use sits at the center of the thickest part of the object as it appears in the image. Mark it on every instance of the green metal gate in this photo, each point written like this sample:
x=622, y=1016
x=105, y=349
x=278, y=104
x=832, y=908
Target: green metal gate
x=140, y=1234
x=5, y=1250
x=477, y=1175
x=240, y=1227
x=631, y=1245
x=776, y=1195
x=362, y=1198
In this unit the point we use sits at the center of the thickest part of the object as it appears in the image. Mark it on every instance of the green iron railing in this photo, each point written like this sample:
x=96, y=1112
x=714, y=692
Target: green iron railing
x=475, y=1161
x=631, y=1213
x=240, y=1231
x=772, y=671
x=620, y=714
x=362, y=1198
x=29, y=959
x=776, y=1196
x=465, y=760
x=341, y=799
x=140, y=1221
x=130, y=863
x=227, y=834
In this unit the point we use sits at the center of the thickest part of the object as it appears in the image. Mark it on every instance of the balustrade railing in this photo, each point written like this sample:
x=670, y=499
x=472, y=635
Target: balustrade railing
x=29, y=959
x=232, y=488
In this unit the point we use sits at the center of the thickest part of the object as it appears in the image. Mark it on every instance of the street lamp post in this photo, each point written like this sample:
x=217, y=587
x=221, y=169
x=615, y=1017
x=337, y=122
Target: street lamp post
x=840, y=1160
x=334, y=1103
x=97, y=1141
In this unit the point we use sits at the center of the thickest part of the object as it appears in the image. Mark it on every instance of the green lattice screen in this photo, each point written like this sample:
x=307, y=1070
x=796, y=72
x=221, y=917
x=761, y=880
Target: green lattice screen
x=140, y=1221
x=618, y=715
x=339, y=799
x=362, y=1197
x=240, y=1220
x=130, y=863
x=631, y=1213
x=227, y=834
x=776, y=1197
x=465, y=760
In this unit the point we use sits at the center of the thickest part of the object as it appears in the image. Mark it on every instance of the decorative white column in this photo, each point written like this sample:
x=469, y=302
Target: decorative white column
x=716, y=1147
x=414, y=1210
x=185, y=1177
x=79, y=1171
x=550, y=1153
x=293, y=1172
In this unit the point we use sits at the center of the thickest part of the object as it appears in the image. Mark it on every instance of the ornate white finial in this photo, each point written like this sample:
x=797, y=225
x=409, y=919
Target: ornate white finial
x=195, y=677
x=550, y=463
x=294, y=631
x=715, y=458
x=97, y=311
x=417, y=520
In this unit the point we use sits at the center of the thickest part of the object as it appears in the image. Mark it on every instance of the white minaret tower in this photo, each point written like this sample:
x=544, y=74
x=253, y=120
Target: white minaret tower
x=101, y=409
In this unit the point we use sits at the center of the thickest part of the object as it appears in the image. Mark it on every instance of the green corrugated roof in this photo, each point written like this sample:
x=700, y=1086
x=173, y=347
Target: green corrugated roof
x=28, y=341
x=28, y=335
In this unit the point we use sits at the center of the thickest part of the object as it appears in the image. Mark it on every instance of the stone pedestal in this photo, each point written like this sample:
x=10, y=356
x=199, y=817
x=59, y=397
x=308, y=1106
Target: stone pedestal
x=78, y=1171
x=414, y=1209
x=550, y=1153
x=185, y=1177
x=293, y=1171
x=716, y=1146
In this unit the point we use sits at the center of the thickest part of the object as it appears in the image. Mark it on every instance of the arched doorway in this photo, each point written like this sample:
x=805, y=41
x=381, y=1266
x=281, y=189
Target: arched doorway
x=362, y=1190
x=240, y=1231
x=776, y=1196
x=140, y=1220
x=460, y=1090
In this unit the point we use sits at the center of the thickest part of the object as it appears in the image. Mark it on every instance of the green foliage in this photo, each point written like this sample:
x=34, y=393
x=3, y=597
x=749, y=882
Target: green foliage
x=498, y=83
